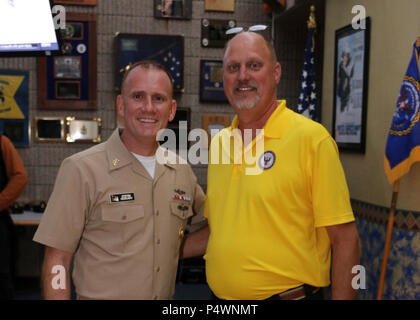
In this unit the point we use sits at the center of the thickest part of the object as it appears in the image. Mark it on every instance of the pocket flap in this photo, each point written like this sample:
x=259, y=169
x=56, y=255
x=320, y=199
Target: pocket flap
x=122, y=214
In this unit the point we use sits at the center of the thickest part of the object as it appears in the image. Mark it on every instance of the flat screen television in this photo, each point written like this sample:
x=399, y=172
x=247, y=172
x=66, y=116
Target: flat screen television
x=27, y=28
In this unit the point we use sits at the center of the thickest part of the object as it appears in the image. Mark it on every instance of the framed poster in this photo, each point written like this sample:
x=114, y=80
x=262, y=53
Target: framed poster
x=211, y=81
x=14, y=106
x=219, y=5
x=68, y=81
x=173, y=9
x=350, y=87
x=165, y=49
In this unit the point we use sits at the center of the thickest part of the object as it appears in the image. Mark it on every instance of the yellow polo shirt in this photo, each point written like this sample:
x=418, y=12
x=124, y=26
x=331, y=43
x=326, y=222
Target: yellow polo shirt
x=267, y=230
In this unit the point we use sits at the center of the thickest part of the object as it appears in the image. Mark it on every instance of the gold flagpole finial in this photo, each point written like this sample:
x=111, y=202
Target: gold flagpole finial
x=418, y=41
x=311, y=21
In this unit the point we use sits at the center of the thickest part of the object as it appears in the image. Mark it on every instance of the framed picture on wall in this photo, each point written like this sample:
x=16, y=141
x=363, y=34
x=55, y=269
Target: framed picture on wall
x=165, y=49
x=211, y=81
x=69, y=81
x=173, y=9
x=351, y=87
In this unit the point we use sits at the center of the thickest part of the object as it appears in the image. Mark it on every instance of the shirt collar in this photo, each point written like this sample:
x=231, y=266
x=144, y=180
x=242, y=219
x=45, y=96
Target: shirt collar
x=276, y=124
x=118, y=154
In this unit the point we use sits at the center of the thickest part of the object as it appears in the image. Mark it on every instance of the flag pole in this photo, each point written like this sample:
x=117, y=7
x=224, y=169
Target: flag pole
x=388, y=237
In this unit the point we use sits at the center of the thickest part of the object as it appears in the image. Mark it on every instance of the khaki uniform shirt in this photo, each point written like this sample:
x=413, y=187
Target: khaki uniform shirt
x=124, y=228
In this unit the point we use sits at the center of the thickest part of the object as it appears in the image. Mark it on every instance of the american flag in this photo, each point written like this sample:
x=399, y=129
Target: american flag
x=307, y=102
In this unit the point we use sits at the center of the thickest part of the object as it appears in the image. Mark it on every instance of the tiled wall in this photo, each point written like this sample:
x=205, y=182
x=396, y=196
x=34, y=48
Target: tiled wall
x=42, y=160
x=402, y=280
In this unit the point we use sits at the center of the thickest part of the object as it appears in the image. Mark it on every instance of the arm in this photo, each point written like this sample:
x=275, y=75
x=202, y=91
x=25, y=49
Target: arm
x=195, y=243
x=16, y=174
x=345, y=254
x=53, y=287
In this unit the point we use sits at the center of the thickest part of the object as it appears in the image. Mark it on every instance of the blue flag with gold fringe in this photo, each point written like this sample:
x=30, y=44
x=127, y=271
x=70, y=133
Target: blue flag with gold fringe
x=403, y=144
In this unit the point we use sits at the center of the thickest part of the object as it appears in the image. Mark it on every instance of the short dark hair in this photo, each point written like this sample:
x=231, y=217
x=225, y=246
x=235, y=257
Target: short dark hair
x=147, y=64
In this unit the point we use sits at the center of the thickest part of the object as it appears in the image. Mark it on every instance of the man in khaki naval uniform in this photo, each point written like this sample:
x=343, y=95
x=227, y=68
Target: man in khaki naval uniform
x=122, y=219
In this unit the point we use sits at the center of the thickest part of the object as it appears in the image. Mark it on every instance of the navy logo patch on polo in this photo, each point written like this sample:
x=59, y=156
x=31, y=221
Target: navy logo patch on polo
x=120, y=197
x=267, y=160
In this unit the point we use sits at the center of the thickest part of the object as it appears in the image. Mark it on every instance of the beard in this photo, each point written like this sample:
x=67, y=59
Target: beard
x=244, y=102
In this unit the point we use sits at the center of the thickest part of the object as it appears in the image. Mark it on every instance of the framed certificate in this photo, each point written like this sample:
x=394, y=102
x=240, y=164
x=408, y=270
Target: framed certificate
x=211, y=81
x=68, y=81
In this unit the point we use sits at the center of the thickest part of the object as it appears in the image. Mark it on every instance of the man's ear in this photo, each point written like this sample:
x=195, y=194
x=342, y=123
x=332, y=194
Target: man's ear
x=173, y=110
x=120, y=106
x=277, y=72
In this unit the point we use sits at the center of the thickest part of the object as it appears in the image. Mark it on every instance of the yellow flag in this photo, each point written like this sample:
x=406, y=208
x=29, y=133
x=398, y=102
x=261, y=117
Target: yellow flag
x=9, y=108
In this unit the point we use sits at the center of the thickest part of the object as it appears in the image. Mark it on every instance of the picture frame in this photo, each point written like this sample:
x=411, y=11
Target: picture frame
x=351, y=72
x=219, y=5
x=69, y=81
x=165, y=49
x=83, y=130
x=213, y=32
x=211, y=81
x=77, y=2
x=173, y=9
x=49, y=129
x=214, y=122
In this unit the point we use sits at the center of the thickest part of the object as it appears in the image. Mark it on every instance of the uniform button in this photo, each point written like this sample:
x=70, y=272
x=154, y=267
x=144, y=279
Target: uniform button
x=181, y=233
x=157, y=269
x=124, y=217
x=155, y=298
x=158, y=241
x=157, y=212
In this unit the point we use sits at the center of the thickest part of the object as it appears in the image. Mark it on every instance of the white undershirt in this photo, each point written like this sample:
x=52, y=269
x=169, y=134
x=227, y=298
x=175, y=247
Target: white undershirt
x=149, y=163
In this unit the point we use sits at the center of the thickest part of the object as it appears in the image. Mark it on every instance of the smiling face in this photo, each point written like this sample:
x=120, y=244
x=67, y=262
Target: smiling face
x=250, y=74
x=146, y=105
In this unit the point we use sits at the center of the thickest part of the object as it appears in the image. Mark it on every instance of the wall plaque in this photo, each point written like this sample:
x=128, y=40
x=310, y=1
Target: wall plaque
x=211, y=81
x=68, y=81
x=213, y=32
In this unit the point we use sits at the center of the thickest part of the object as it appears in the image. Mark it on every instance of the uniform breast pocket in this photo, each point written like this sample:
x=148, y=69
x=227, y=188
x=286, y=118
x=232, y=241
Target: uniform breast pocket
x=123, y=225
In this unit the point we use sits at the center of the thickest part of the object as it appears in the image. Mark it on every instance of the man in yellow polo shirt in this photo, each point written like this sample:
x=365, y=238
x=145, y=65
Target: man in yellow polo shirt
x=272, y=229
